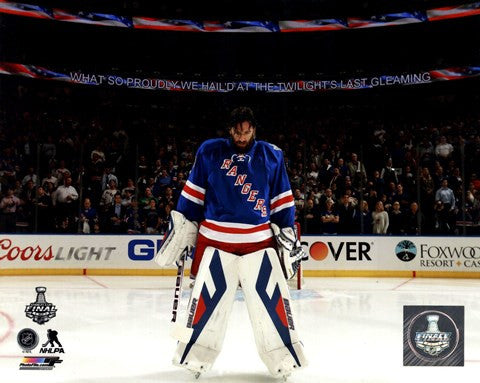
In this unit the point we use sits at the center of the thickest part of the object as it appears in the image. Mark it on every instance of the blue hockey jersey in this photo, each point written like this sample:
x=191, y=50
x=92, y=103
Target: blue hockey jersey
x=235, y=196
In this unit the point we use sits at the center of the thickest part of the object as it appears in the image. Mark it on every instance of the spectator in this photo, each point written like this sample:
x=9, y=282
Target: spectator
x=389, y=174
x=129, y=187
x=298, y=200
x=108, y=195
x=325, y=173
x=43, y=203
x=414, y=220
x=296, y=180
x=61, y=172
x=17, y=189
x=363, y=219
x=133, y=219
x=455, y=179
x=107, y=177
x=168, y=197
x=163, y=181
x=402, y=197
x=310, y=221
x=8, y=166
x=390, y=194
x=357, y=172
x=426, y=151
x=330, y=218
x=313, y=173
x=408, y=180
x=28, y=196
x=380, y=219
x=443, y=150
x=446, y=196
x=342, y=167
x=50, y=178
x=31, y=176
x=142, y=184
x=378, y=183
x=165, y=220
x=64, y=200
x=127, y=197
x=346, y=213
x=62, y=135
x=145, y=200
x=328, y=194
x=471, y=207
x=116, y=216
x=337, y=181
x=396, y=220
x=48, y=150
x=8, y=208
x=438, y=176
x=97, y=155
x=143, y=166
x=88, y=217
x=151, y=217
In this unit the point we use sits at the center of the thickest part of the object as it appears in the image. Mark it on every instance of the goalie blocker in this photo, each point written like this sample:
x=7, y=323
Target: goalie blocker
x=260, y=274
x=181, y=236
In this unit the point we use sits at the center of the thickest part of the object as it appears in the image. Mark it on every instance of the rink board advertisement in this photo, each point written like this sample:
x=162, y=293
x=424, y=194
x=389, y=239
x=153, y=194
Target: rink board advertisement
x=452, y=254
x=326, y=253
x=78, y=251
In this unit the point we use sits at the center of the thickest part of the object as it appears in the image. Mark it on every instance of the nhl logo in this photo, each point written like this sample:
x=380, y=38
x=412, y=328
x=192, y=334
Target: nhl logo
x=27, y=339
x=40, y=311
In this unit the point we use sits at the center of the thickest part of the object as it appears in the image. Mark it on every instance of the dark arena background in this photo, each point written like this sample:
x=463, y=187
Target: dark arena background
x=375, y=105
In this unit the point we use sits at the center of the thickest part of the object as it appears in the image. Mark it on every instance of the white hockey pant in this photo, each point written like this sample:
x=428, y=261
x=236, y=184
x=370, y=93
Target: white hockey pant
x=268, y=302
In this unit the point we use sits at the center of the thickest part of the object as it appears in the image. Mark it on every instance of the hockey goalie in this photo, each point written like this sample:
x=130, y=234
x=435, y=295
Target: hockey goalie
x=237, y=211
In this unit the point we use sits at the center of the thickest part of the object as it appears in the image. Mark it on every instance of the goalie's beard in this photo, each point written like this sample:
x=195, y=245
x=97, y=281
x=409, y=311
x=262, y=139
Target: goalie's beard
x=243, y=146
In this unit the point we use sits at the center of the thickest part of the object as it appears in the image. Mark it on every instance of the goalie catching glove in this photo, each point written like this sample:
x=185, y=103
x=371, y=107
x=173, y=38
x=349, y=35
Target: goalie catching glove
x=289, y=250
x=181, y=236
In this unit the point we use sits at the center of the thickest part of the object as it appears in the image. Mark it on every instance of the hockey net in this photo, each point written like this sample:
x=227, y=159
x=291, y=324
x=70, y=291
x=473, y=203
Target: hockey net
x=298, y=282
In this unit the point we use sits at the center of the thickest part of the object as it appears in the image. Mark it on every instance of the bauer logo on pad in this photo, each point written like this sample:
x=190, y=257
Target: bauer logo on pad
x=433, y=335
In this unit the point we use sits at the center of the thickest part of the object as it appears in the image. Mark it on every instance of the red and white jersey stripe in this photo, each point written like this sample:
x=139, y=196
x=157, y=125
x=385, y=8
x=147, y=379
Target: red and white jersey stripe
x=194, y=193
x=232, y=232
x=281, y=201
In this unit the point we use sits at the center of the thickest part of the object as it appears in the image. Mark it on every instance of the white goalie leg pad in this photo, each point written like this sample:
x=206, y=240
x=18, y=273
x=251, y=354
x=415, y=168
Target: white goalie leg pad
x=200, y=358
x=279, y=362
x=181, y=236
x=205, y=323
x=270, y=310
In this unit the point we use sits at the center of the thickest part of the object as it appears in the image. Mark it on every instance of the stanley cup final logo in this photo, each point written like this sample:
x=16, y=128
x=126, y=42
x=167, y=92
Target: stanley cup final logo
x=40, y=311
x=433, y=335
x=433, y=341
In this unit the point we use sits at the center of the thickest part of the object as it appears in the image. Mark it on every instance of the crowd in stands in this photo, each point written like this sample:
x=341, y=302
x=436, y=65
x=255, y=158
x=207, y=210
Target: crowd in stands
x=70, y=166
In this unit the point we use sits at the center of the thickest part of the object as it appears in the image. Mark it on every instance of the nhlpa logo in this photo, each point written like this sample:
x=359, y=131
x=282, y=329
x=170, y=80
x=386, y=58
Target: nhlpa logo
x=52, y=336
x=40, y=311
x=241, y=158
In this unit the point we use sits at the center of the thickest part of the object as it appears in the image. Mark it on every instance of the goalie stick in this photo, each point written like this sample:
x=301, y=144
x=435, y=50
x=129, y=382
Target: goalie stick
x=178, y=284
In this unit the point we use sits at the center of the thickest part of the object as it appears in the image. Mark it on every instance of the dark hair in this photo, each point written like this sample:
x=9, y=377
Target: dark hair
x=241, y=114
